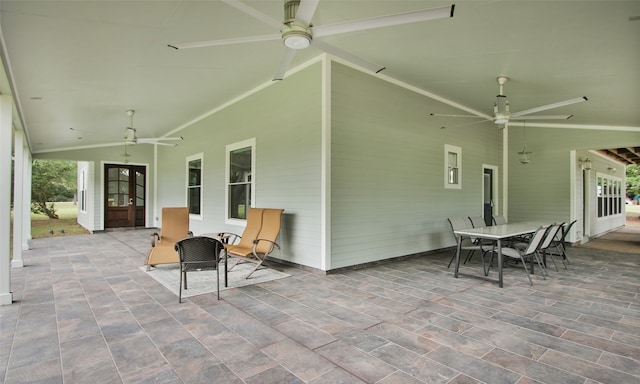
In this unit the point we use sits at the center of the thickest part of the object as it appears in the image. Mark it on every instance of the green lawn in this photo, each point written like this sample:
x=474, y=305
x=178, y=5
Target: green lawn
x=42, y=226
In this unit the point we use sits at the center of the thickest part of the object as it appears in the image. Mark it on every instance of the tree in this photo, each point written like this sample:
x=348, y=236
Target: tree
x=52, y=180
x=633, y=180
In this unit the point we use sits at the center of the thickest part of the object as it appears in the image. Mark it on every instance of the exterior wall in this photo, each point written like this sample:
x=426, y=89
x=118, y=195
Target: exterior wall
x=141, y=154
x=549, y=188
x=285, y=119
x=387, y=170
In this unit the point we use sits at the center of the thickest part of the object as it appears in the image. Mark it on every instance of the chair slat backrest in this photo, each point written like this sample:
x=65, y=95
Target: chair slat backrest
x=499, y=220
x=175, y=224
x=565, y=231
x=553, y=231
x=254, y=225
x=477, y=221
x=458, y=223
x=536, y=239
x=271, y=222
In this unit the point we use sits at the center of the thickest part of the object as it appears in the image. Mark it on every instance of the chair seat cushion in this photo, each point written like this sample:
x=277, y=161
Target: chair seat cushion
x=164, y=253
x=238, y=250
x=511, y=252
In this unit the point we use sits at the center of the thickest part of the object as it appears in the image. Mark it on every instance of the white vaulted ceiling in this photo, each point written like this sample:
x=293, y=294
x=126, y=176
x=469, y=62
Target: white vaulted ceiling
x=82, y=64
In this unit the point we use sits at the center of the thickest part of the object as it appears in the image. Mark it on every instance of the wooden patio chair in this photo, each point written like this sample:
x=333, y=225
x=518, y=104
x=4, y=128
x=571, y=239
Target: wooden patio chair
x=175, y=226
x=258, y=239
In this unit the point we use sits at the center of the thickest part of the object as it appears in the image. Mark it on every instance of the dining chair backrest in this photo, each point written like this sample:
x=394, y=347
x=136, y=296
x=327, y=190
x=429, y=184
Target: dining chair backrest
x=551, y=234
x=477, y=221
x=565, y=231
x=458, y=223
x=499, y=220
x=536, y=240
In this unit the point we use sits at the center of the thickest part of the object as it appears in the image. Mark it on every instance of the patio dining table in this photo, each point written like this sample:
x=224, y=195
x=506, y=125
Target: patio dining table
x=496, y=233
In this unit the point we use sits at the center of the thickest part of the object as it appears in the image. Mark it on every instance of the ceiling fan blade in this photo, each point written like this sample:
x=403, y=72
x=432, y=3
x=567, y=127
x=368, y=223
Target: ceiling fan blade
x=158, y=139
x=383, y=21
x=337, y=52
x=306, y=9
x=285, y=61
x=152, y=141
x=244, y=8
x=235, y=40
x=445, y=115
x=543, y=117
x=550, y=106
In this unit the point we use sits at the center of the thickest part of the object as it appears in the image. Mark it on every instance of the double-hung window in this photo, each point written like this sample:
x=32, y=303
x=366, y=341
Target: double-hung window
x=194, y=185
x=452, y=167
x=240, y=179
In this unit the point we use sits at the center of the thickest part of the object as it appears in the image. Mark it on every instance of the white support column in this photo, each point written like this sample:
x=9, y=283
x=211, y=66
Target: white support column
x=26, y=201
x=505, y=172
x=6, y=297
x=18, y=198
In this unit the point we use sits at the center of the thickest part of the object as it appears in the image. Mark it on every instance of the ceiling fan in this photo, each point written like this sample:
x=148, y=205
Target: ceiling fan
x=130, y=137
x=502, y=115
x=297, y=32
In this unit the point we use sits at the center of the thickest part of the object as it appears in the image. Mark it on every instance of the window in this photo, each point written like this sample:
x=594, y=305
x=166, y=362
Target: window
x=82, y=186
x=240, y=191
x=610, y=195
x=194, y=184
x=452, y=167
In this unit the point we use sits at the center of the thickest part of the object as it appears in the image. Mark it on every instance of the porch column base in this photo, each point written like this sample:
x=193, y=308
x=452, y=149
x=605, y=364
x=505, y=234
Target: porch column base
x=6, y=298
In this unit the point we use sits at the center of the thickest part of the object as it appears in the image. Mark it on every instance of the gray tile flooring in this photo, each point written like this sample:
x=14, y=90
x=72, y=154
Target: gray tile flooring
x=85, y=313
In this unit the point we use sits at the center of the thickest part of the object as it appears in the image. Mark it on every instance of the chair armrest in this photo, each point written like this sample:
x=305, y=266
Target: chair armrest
x=229, y=237
x=155, y=239
x=273, y=245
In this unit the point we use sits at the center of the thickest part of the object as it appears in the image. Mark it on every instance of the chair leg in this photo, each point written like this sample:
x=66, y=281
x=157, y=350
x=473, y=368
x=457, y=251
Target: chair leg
x=453, y=257
x=238, y=260
x=469, y=255
x=524, y=264
x=180, y=288
x=543, y=269
x=564, y=253
x=552, y=259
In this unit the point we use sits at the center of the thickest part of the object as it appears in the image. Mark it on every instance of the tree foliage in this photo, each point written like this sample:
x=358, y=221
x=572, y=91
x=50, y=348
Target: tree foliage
x=633, y=180
x=52, y=180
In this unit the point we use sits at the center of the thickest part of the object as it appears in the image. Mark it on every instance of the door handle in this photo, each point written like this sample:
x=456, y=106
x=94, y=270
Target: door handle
x=130, y=201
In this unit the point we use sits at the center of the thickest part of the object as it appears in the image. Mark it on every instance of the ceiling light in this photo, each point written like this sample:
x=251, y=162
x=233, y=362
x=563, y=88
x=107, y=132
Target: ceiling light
x=297, y=37
x=524, y=154
x=501, y=120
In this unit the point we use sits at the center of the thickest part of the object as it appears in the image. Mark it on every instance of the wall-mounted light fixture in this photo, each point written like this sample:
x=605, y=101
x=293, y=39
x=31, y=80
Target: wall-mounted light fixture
x=524, y=154
x=611, y=169
x=585, y=163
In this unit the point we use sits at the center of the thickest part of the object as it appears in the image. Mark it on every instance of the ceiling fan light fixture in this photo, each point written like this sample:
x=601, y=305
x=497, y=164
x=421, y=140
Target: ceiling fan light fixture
x=296, y=38
x=501, y=120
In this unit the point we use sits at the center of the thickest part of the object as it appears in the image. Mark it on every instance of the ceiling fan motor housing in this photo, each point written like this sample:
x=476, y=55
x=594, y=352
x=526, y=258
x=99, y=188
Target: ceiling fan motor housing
x=290, y=10
x=501, y=110
x=296, y=36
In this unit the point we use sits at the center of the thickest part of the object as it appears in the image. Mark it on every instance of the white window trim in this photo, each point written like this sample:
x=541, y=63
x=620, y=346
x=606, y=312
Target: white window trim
x=620, y=193
x=458, y=151
x=197, y=156
x=228, y=149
